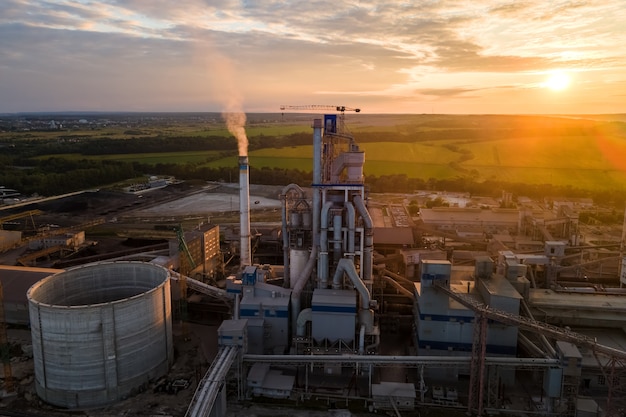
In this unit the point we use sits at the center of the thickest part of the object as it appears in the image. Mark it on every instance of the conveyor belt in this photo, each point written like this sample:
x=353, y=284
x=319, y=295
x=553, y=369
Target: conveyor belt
x=533, y=325
x=213, y=381
x=203, y=288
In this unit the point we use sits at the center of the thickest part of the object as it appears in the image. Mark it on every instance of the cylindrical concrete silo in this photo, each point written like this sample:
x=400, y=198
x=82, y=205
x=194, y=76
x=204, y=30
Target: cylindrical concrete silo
x=100, y=332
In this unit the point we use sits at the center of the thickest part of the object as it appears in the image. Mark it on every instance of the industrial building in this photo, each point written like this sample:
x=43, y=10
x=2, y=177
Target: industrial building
x=357, y=311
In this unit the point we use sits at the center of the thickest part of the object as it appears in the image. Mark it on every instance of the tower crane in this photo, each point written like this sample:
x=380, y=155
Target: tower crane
x=324, y=107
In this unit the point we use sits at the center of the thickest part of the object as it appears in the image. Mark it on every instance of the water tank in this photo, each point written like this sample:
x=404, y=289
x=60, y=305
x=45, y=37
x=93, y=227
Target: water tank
x=100, y=332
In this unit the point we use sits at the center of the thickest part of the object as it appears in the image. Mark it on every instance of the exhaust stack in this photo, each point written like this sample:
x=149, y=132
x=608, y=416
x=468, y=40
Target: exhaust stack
x=244, y=212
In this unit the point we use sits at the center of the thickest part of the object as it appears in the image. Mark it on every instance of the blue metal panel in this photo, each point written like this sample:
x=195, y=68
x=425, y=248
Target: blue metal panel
x=276, y=313
x=444, y=317
x=333, y=309
x=249, y=313
x=330, y=123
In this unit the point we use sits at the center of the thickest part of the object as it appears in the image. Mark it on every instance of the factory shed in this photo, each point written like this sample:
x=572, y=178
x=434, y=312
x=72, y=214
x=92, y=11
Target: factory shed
x=578, y=307
x=271, y=383
x=390, y=230
x=16, y=280
x=448, y=218
x=393, y=395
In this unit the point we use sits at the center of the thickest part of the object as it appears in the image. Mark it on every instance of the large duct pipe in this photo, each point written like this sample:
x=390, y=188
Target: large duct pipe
x=351, y=229
x=317, y=202
x=317, y=152
x=299, y=286
x=244, y=213
x=322, y=268
x=368, y=249
x=304, y=316
x=337, y=241
x=398, y=277
x=399, y=287
x=366, y=316
x=362, y=340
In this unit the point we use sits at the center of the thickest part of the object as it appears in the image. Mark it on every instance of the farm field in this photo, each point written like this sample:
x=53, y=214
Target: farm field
x=580, y=152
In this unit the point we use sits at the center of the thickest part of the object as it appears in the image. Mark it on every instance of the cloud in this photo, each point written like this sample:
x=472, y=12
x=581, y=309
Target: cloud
x=445, y=92
x=143, y=53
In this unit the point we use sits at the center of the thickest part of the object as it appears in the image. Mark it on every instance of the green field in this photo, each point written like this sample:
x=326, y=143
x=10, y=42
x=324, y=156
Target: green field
x=581, y=153
x=577, y=162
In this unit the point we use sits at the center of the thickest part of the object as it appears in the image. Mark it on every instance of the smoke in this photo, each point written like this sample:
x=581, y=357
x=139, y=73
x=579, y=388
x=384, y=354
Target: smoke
x=230, y=97
x=235, y=122
x=222, y=75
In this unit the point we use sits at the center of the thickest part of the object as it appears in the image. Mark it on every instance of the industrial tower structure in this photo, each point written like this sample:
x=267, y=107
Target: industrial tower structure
x=333, y=235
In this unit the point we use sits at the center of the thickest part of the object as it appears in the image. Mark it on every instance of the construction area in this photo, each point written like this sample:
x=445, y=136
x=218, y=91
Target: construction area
x=237, y=299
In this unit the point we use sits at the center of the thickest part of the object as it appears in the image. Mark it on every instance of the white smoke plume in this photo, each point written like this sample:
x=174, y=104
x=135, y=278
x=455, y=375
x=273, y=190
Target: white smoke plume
x=230, y=96
x=233, y=114
x=225, y=90
x=235, y=122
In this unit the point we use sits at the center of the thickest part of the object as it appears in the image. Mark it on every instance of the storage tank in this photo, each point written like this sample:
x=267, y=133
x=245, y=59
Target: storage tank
x=100, y=332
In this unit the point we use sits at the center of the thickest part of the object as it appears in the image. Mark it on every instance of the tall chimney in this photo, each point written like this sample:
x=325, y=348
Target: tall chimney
x=244, y=212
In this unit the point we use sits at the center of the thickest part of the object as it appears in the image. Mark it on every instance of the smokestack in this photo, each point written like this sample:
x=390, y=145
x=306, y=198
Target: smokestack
x=244, y=212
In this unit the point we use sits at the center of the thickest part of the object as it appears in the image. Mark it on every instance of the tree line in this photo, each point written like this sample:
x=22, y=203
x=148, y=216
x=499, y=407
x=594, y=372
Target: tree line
x=57, y=176
x=21, y=170
x=25, y=148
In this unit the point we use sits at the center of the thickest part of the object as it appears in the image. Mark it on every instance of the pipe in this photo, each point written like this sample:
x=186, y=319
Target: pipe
x=304, y=316
x=375, y=344
x=366, y=316
x=337, y=240
x=322, y=267
x=244, y=212
x=526, y=342
x=351, y=229
x=399, y=287
x=236, y=308
x=362, y=340
x=317, y=178
x=542, y=337
x=300, y=283
x=317, y=151
x=381, y=268
x=368, y=249
x=285, y=231
x=409, y=361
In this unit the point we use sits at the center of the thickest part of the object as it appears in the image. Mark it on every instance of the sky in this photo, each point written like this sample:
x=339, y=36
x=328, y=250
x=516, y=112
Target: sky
x=391, y=56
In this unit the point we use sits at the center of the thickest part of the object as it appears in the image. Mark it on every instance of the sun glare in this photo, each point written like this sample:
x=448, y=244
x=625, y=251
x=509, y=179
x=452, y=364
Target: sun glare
x=558, y=81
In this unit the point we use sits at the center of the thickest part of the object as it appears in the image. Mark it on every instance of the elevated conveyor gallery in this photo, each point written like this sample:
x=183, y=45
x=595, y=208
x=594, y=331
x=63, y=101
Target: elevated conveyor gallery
x=210, y=386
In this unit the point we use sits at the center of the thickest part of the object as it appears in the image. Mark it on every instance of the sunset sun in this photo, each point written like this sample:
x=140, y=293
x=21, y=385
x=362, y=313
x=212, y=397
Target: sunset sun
x=558, y=81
